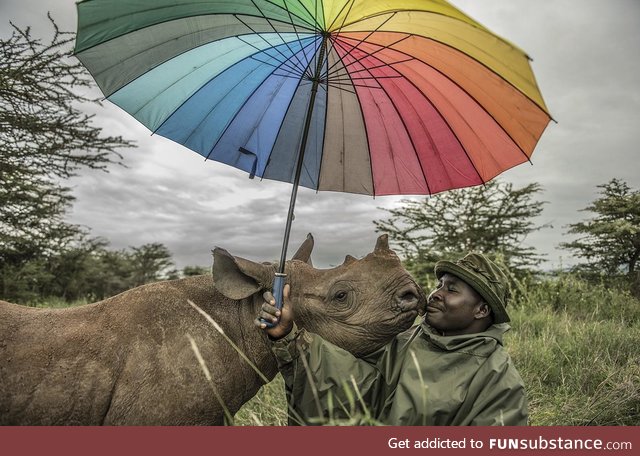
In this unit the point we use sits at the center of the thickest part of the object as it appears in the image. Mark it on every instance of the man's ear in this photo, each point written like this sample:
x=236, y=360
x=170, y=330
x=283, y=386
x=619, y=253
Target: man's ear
x=482, y=311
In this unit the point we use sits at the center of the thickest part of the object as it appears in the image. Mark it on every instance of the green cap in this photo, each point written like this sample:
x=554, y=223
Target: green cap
x=484, y=276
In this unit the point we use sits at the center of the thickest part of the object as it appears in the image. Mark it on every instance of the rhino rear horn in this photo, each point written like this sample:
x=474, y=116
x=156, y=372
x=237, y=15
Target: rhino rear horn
x=382, y=244
x=237, y=278
x=304, y=251
x=349, y=259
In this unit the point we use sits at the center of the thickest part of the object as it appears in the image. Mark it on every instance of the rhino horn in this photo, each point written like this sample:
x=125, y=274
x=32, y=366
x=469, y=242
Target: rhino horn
x=349, y=259
x=382, y=244
x=304, y=252
x=237, y=278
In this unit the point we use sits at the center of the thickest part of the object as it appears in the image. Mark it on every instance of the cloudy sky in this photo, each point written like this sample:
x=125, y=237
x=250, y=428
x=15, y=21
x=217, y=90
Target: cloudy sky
x=586, y=62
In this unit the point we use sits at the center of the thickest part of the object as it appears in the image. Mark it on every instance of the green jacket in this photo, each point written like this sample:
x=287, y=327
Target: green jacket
x=419, y=378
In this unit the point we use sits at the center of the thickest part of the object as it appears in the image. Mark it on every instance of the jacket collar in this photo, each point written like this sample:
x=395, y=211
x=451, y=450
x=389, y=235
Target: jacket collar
x=478, y=342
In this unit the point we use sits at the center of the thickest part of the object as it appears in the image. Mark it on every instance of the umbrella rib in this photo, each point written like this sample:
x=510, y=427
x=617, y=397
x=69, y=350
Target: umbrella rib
x=306, y=64
x=342, y=87
x=413, y=145
x=447, y=123
x=365, y=78
x=345, y=16
x=409, y=57
x=212, y=108
x=462, y=146
x=204, y=118
x=511, y=45
x=316, y=25
x=382, y=48
x=384, y=65
x=286, y=59
x=300, y=81
x=294, y=71
x=474, y=25
x=367, y=86
x=78, y=52
x=156, y=46
x=314, y=63
x=278, y=33
x=362, y=40
x=292, y=67
x=287, y=75
x=366, y=130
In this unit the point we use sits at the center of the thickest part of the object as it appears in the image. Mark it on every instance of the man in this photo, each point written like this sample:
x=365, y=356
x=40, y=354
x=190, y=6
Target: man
x=450, y=370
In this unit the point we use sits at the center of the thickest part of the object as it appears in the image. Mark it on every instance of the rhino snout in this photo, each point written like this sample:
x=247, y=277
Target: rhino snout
x=410, y=298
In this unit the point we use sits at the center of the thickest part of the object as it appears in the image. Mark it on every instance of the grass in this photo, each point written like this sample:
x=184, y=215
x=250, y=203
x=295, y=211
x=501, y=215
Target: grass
x=577, y=347
x=267, y=408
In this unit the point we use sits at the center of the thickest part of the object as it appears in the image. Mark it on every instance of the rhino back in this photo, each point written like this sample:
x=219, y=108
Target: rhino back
x=125, y=360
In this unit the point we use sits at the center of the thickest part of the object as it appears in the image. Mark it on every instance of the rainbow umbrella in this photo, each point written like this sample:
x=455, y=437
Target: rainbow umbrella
x=376, y=97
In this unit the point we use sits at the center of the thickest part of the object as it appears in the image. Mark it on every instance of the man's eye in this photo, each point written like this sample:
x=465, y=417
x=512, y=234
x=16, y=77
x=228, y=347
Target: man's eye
x=452, y=289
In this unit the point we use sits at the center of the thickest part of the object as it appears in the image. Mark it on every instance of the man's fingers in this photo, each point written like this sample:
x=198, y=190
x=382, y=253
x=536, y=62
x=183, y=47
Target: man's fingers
x=265, y=317
x=268, y=297
x=269, y=316
x=270, y=309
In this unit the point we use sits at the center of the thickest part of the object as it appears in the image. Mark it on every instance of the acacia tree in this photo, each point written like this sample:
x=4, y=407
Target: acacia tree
x=494, y=219
x=610, y=241
x=152, y=262
x=44, y=138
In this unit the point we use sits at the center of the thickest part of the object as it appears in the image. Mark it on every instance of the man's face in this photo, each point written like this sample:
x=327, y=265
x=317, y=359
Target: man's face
x=454, y=307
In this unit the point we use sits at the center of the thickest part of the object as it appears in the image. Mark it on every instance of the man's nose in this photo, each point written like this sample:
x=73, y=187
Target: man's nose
x=435, y=295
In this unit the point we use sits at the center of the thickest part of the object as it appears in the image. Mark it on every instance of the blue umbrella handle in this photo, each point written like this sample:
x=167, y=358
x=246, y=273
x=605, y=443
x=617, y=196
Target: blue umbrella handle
x=278, y=291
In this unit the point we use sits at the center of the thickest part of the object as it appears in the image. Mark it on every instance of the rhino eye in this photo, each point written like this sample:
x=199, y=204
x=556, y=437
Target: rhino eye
x=341, y=296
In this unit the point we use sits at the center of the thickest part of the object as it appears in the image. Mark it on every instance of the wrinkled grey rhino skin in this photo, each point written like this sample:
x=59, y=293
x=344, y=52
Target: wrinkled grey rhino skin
x=128, y=360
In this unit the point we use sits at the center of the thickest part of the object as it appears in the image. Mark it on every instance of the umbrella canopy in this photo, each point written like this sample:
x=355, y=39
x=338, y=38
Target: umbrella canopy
x=380, y=97
x=377, y=97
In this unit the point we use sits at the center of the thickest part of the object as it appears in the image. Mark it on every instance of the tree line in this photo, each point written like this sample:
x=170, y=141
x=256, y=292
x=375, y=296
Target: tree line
x=496, y=219
x=45, y=139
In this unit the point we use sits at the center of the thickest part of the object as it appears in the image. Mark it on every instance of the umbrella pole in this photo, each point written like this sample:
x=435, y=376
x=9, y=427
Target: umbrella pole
x=278, y=283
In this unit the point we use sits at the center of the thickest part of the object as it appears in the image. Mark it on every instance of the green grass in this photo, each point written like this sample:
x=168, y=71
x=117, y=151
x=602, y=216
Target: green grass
x=577, y=346
x=267, y=408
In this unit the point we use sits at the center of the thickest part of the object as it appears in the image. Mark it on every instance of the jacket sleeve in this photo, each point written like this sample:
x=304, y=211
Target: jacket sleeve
x=324, y=383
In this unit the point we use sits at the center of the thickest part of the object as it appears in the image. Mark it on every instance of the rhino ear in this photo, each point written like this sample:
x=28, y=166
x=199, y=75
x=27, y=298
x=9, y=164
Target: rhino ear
x=237, y=278
x=304, y=252
x=382, y=245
